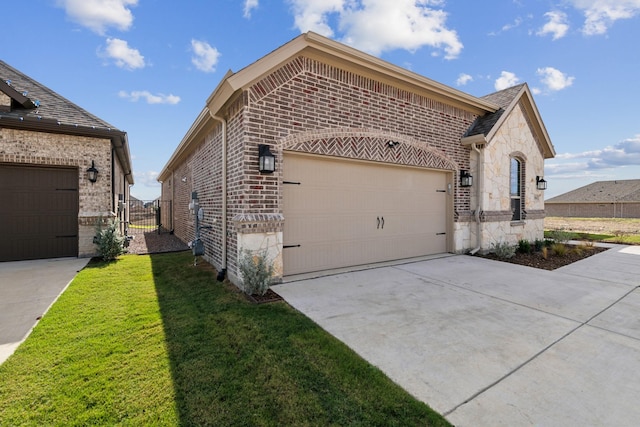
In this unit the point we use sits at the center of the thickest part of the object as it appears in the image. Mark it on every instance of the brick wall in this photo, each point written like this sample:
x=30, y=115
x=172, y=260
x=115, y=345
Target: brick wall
x=312, y=107
x=339, y=112
x=39, y=148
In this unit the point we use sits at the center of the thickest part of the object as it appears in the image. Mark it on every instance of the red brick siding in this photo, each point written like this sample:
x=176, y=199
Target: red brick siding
x=324, y=97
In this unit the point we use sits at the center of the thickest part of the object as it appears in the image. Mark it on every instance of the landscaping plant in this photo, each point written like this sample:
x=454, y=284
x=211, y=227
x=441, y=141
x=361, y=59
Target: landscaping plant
x=504, y=250
x=257, y=272
x=109, y=240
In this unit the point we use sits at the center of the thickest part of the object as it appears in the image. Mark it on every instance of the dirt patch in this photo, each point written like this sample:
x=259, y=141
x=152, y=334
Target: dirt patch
x=610, y=226
x=153, y=242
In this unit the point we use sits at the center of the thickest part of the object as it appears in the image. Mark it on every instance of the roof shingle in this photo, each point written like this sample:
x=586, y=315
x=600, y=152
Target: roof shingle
x=51, y=106
x=602, y=191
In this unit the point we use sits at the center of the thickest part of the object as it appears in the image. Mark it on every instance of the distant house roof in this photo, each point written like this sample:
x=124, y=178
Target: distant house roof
x=485, y=126
x=35, y=107
x=602, y=192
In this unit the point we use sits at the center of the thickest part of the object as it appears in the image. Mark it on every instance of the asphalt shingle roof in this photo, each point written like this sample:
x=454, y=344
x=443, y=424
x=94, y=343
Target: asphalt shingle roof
x=503, y=98
x=602, y=191
x=51, y=105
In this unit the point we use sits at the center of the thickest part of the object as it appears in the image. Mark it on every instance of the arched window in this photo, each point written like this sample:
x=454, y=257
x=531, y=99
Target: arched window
x=515, y=189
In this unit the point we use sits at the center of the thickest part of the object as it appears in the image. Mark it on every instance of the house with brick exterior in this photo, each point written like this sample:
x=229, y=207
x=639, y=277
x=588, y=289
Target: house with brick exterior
x=62, y=169
x=323, y=157
x=602, y=199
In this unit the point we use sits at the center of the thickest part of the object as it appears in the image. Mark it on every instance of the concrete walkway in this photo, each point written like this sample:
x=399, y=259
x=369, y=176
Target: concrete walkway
x=488, y=343
x=27, y=290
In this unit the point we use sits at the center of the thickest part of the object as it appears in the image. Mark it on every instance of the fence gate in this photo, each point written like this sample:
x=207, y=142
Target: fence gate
x=150, y=216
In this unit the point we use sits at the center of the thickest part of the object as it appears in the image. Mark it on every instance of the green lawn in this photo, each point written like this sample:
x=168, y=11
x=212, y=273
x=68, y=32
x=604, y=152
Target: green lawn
x=153, y=340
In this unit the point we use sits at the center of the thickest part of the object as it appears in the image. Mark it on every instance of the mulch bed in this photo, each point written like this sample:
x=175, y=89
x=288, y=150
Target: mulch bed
x=552, y=262
x=269, y=296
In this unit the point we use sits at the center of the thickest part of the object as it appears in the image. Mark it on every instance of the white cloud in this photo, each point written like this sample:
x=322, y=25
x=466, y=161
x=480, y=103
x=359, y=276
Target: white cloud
x=506, y=80
x=463, y=79
x=625, y=153
x=376, y=26
x=249, y=5
x=313, y=15
x=554, y=79
x=160, y=98
x=98, y=15
x=601, y=14
x=123, y=55
x=205, y=57
x=556, y=26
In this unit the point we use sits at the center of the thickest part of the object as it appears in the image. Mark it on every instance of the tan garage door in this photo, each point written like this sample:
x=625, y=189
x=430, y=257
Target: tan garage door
x=39, y=212
x=341, y=213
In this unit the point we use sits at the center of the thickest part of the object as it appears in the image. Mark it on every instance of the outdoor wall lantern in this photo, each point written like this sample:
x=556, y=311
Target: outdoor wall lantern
x=541, y=184
x=466, y=180
x=92, y=173
x=266, y=159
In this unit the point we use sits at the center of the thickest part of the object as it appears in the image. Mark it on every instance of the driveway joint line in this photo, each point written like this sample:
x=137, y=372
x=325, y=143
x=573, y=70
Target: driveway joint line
x=535, y=356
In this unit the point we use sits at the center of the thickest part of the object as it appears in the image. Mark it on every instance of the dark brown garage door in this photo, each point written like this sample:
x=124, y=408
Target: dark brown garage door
x=38, y=212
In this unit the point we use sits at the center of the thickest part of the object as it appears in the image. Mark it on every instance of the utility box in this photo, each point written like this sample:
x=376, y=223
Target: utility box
x=197, y=247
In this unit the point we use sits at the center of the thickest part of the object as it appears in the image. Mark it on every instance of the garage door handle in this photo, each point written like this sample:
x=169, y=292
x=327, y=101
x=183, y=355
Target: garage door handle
x=378, y=219
x=383, y=223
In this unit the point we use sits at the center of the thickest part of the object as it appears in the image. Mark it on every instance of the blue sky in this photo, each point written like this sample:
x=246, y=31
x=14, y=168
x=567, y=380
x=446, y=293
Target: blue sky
x=148, y=66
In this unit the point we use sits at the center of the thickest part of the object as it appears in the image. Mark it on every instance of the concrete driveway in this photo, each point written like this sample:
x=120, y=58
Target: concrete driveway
x=494, y=344
x=27, y=290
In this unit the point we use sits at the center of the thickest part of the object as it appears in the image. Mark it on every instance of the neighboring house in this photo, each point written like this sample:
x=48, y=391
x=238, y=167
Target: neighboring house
x=50, y=207
x=368, y=164
x=602, y=199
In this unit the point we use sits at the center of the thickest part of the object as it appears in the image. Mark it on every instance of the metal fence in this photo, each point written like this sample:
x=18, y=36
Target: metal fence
x=148, y=216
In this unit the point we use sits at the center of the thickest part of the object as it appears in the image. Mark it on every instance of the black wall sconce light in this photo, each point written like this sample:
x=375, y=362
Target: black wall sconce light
x=266, y=160
x=466, y=180
x=92, y=173
x=541, y=184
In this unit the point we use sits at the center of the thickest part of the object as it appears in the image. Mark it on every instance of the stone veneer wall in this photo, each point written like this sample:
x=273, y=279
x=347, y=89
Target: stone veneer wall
x=514, y=138
x=40, y=148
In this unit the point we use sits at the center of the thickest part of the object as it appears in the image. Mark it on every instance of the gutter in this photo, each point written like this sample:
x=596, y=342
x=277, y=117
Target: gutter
x=473, y=142
x=223, y=270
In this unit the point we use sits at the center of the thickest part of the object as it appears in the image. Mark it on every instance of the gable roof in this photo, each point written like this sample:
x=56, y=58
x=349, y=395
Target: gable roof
x=486, y=126
x=602, y=192
x=319, y=47
x=315, y=46
x=37, y=108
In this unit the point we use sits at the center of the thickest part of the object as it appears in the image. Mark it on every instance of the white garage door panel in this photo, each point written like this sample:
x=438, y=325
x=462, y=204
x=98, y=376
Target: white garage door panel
x=337, y=211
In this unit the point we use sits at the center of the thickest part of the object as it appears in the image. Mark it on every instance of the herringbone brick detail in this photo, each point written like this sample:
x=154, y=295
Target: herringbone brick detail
x=369, y=145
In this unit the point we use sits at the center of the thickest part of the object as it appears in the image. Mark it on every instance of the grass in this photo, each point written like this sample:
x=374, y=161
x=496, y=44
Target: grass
x=143, y=227
x=152, y=340
x=629, y=239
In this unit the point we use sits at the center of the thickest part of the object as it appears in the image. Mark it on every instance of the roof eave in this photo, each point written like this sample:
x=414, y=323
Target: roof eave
x=315, y=44
x=200, y=126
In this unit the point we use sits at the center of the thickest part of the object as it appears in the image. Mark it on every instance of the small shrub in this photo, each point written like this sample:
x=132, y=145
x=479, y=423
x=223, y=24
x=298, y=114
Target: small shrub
x=256, y=272
x=538, y=245
x=559, y=249
x=620, y=236
x=109, y=240
x=545, y=252
x=504, y=250
x=561, y=236
x=524, y=247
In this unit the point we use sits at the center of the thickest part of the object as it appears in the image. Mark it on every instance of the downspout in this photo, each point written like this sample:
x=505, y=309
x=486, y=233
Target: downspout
x=479, y=188
x=223, y=271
